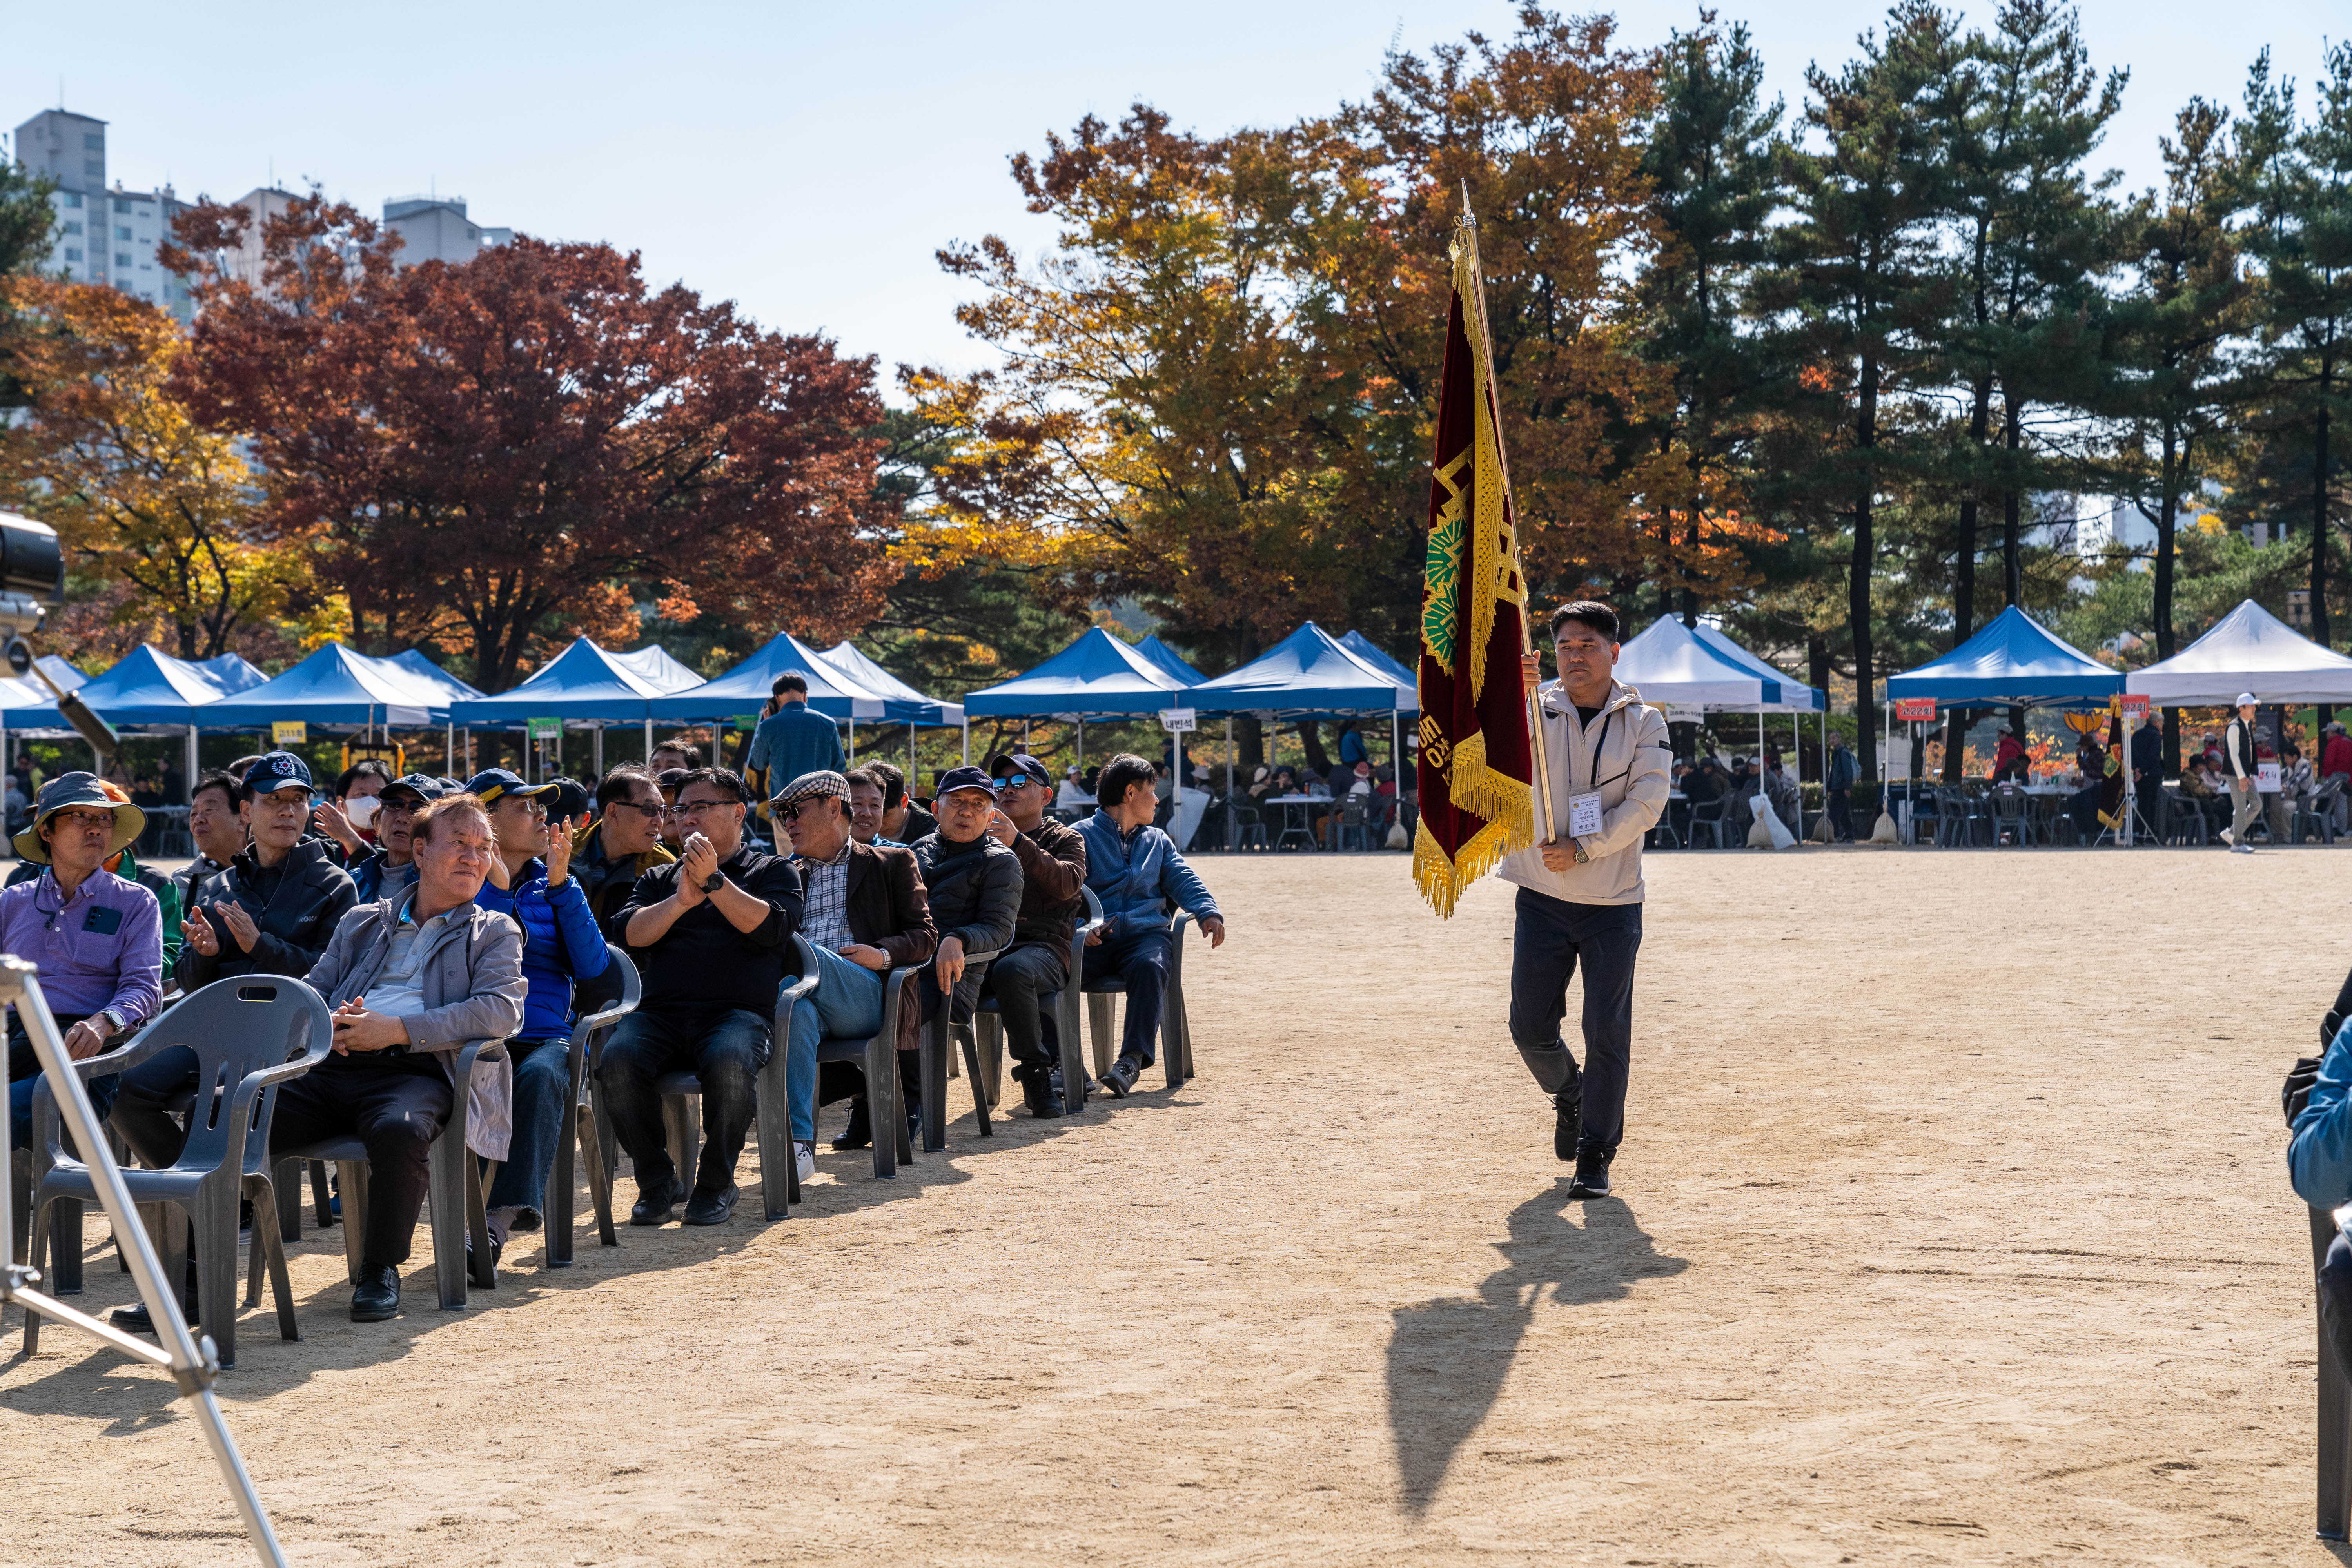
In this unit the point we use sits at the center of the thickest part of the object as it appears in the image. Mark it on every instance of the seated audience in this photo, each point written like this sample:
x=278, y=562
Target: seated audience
x=275, y=908
x=672, y=829
x=1072, y=795
x=622, y=844
x=795, y=738
x=347, y=816
x=676, y=754
x=389, y=869
x=712, y=935
x=1052, y=859
x=411, y=982
x=97, y=939
x=904, y=820
x=530, y=881
x=869, y=797
x=973, y=883
x=124, y=863
x=1136, y=871
x=215, y=828
x=864, y=913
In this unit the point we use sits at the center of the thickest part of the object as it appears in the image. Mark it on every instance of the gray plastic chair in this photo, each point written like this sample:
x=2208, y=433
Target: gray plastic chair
x=1175, y=1025
x=987, y=1029
x=610, y=997
x=877, y=1056
x=935, y=1040
x=250, y=1033
x=455, y=1184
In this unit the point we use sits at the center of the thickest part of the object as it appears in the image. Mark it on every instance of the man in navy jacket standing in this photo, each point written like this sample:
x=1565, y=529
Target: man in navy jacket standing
x=1137, y=872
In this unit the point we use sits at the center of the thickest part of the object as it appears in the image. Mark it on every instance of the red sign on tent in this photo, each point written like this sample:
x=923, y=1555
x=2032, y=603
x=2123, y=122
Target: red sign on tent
x=1915, y=710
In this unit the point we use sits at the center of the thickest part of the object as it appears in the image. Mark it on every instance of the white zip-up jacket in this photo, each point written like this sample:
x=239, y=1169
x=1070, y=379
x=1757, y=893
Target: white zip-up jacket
x=1626, y=752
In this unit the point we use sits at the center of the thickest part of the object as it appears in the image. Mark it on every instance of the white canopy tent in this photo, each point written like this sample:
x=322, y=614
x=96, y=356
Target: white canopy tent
x=1689, y=670
x=2248, y=650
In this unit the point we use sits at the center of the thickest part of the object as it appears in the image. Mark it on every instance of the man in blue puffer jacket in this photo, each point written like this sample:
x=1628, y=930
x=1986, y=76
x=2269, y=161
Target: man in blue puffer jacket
x=1137, y=872
x=532, y=880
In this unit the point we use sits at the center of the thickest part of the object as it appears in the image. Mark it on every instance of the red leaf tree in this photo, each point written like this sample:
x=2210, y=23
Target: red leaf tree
x=517, y=450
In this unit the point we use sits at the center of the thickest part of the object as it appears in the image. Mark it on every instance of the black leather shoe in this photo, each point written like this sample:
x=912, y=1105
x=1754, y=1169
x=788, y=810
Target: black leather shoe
x=711, y=1208
x=1568, y=1108
x=1071, y=1103
x=653, y=1203
x=859, y=1134
x=377, y=1295
x=1593, y=1157
x=1037, y=1091
x=1121, y=1077
x=526, y=1220
x=135, y=1318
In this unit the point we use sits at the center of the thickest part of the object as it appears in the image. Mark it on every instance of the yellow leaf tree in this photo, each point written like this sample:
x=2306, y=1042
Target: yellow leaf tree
x=156, y=514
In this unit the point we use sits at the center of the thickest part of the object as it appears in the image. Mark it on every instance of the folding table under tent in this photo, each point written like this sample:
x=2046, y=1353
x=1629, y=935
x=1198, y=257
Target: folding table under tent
x=2248, y=650
x=1307, y=675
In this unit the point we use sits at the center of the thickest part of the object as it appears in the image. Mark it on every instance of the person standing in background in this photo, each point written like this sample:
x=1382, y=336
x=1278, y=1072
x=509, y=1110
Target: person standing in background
x=2242, y=770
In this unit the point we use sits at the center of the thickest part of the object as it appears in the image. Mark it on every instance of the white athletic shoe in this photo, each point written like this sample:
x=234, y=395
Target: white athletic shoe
x=804, y=1159
x=2242, y=848
x=2228, y=838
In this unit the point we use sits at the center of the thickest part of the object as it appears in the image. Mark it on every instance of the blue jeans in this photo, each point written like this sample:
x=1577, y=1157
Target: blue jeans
x=24, y=1071
x=845, y=1005
x=543, y=1095
x=725, y=1050
x=1140, y=959
x=1552, y=937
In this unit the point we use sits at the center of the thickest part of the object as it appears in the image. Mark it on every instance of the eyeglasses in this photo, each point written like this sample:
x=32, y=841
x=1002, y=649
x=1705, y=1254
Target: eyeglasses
x=90, y=819
x=696, y=807
x=655, y=811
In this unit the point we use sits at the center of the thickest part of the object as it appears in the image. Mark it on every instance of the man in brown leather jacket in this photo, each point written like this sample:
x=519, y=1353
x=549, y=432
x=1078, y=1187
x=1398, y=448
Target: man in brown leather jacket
x=1053, y=875
x=865, y=912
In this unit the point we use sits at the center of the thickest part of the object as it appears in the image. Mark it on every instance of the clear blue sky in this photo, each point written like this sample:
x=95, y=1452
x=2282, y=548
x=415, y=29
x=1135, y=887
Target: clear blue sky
x=806, y=160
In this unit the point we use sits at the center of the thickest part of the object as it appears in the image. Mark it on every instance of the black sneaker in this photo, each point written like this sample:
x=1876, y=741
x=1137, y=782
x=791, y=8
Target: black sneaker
x=655, y=1203
x=860, y=1131
x=711, y=1208
x=526, y=1219
x=1568, y=1112
x=497, y=1251
x=1120, y=1079
x=1593, y=1157
x=377, y=1295
x=136, y=1320
x=1037, y=1091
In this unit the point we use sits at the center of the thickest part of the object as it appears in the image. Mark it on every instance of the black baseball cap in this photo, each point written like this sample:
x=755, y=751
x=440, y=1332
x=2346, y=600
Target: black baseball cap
x=1006, y=762
x=493, y=784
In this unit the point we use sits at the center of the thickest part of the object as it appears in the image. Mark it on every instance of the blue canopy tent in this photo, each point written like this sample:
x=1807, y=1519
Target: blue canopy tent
x=415, y=663
x=1096, y=677
x=653, y=661
x=1309, y=675
x=585, y=687
x=1168, y=659
x=337, y=688
x=2014, y=662
x=745, y=689
x=150, y=690
x=1376, y=656
x=897, y=695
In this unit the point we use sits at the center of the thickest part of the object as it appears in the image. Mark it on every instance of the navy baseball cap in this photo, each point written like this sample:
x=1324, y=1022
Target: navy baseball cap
x=955, y=779
x=279, y=770
x=494, y=783
x=1019, y=762
x=424, y=786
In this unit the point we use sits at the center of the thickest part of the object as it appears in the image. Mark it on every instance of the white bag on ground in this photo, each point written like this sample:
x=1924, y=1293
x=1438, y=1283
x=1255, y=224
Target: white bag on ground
x=1767, y=831
x=1397, y=839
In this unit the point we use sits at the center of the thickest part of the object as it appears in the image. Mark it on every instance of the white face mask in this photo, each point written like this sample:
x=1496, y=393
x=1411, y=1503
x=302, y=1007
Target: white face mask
x=361, y=811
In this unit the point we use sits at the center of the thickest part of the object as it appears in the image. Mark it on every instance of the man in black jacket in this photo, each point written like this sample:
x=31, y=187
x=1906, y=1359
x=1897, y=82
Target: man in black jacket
x=2147, y=771
x=1052, y=859
x=712, y=933
x=974, y=886
x=272, y=911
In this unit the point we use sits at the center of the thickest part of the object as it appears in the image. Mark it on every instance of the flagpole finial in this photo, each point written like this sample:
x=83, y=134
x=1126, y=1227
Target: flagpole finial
x=1469, y=220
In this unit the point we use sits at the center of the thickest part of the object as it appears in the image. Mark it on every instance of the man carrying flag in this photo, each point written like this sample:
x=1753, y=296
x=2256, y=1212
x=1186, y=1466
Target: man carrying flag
x=1565, y=819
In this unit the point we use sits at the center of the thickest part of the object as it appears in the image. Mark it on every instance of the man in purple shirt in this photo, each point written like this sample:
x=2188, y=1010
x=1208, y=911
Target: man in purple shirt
x=97, y=939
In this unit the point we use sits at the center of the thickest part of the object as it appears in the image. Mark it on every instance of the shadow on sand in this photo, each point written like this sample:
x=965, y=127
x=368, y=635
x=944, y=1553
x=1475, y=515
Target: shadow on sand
x=1448, y=1357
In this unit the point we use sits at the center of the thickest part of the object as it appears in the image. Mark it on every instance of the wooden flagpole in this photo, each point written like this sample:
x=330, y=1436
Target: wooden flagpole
x=1468, y=227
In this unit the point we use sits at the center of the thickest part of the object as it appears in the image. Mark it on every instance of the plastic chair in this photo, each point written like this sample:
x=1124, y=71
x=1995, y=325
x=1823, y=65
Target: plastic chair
x=988, y=1026
x=607, y=999
x=28, y=1166
x=2187, y=816
x=2316, y=812
x=1248, y=828
x=877, y=1056
x=1357, y=820
x=249, y=1034
x=2010, y=813
x=1175, y=1027
x=932, y=1075
x=455, y=1182
x=1707, y=814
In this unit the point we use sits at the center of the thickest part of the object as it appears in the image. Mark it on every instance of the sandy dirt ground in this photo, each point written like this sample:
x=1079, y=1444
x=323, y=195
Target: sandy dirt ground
x=1951, y=1226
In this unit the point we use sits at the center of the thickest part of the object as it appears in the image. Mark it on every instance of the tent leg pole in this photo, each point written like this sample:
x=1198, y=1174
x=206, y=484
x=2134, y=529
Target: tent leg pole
x=967, y=743
x=596, y=758
x=186, y=797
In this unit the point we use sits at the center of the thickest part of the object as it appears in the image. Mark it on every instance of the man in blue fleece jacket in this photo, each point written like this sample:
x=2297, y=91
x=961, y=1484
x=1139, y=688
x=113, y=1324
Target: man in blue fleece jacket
x=1137, y=874
x=532, y=880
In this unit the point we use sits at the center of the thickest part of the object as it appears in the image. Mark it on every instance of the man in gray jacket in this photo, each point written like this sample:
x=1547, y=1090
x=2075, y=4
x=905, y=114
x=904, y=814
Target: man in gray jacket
x=974, y=886
x=412, y=980
x=1581, y=890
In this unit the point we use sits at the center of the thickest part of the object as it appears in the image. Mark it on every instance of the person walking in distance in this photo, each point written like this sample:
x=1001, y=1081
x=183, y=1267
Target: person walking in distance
x=2242, y=772
x=1605, y=754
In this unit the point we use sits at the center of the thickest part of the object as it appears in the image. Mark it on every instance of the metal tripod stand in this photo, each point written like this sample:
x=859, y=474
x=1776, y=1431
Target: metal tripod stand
x=191, y=1363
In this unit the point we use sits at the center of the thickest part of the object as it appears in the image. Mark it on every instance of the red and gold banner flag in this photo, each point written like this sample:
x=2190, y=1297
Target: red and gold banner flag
x=1476, y=758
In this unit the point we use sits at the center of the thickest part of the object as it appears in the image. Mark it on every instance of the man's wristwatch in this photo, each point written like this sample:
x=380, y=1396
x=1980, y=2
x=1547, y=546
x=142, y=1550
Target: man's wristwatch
x=115, y=1018
x=713, y=882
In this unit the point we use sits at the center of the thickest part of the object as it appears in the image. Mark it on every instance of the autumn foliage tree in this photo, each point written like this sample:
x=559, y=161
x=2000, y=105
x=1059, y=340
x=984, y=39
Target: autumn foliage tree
x=159, y=513
x=523, y=447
